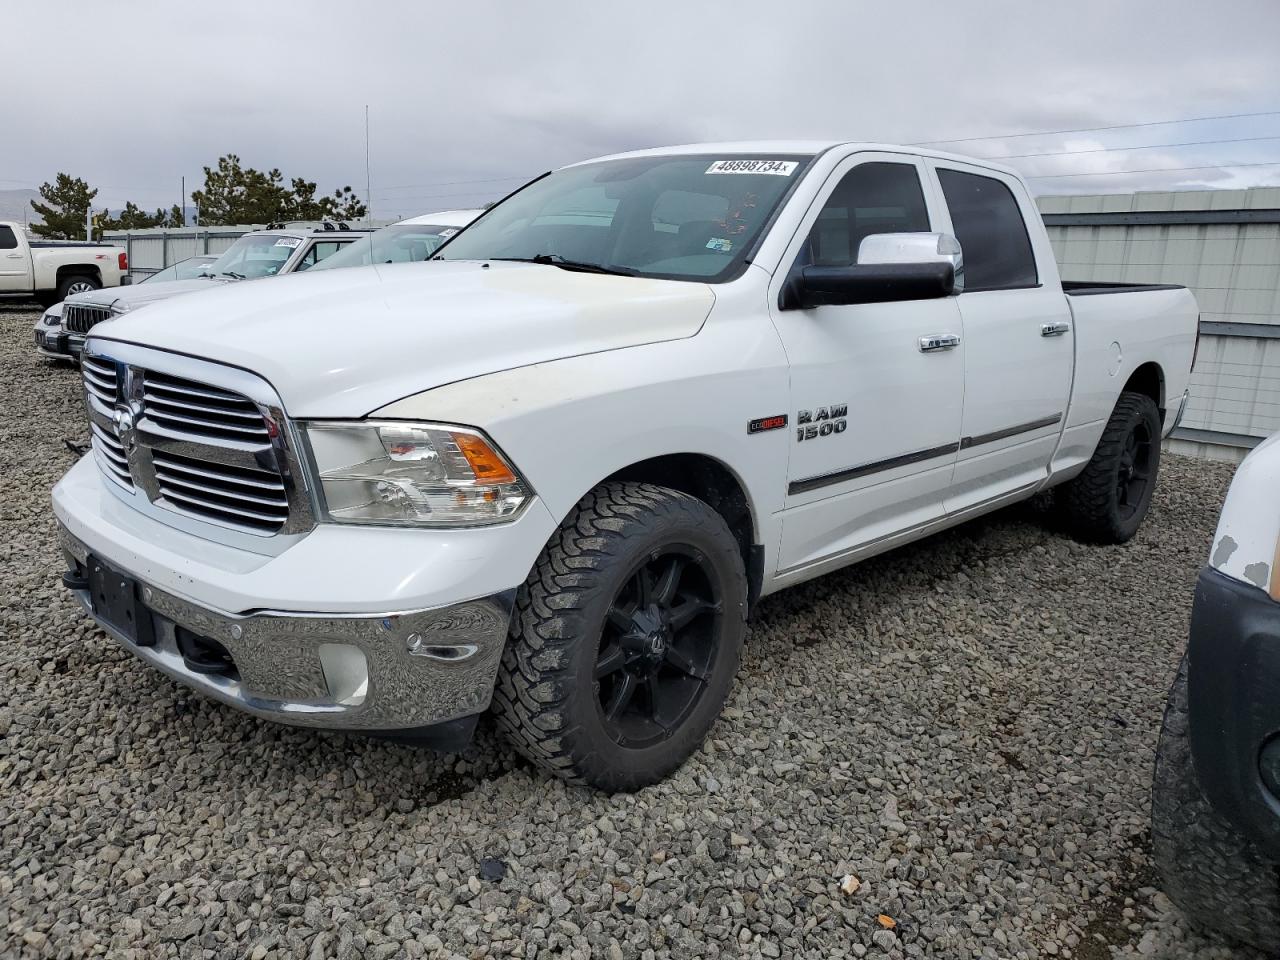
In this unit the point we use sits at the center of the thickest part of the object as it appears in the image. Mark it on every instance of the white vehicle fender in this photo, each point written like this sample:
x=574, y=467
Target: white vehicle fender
x=568, y=424
x=1247, y=540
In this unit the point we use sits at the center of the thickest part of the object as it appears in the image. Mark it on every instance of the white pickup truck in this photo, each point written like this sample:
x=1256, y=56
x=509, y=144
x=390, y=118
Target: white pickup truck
x=52, y=270
x=549, y=472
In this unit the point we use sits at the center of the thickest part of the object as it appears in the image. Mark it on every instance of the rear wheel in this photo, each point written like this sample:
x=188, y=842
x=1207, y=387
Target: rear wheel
x=1216, y=877
x=626, y=638
x=1108, y=501
x=76, y=283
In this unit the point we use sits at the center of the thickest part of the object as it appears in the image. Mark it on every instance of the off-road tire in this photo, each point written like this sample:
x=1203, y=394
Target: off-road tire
x=1089, y=502
x=65, y=285
x=1220, y=880
x=545, y=700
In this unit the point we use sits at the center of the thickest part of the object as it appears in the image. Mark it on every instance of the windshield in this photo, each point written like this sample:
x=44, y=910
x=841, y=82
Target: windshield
x=183, y=270
x=401, y=243
x=676, y=217
x=254, y=255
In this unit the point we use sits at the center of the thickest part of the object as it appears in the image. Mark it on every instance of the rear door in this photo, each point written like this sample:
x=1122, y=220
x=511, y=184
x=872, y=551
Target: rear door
x=875, y=417
x=15, y=262
x=1017, y=336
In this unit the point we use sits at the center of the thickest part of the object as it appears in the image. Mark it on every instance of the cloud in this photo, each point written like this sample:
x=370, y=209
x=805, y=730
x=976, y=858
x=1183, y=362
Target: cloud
x=492, y=91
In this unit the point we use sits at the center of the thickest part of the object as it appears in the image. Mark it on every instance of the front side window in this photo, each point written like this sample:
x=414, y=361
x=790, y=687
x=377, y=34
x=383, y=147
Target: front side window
x=872, y=198
x=7, y=239
x=255, y=255
x=399, y=243
x=672, y=217
x=992, y=234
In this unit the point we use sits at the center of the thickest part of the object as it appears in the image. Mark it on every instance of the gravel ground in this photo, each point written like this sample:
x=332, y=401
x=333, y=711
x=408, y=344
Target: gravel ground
x=966, y=725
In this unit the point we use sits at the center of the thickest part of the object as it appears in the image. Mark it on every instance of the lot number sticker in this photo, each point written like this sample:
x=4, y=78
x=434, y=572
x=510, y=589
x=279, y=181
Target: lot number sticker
x=290, y=242
x=777, y=168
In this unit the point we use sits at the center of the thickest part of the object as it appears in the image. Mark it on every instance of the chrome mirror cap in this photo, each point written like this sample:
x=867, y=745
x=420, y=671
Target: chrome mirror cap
x=880, y=248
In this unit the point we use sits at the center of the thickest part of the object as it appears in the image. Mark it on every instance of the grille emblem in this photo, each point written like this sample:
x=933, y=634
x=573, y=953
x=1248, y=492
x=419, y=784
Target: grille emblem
x=125, y=419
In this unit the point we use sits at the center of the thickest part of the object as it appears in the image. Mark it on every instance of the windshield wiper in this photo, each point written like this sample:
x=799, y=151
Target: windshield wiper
x=555, y=260
x=232, y=274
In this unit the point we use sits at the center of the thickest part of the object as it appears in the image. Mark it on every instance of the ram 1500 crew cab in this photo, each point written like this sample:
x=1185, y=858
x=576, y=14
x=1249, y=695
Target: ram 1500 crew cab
x=52, y=270
x=548, y=472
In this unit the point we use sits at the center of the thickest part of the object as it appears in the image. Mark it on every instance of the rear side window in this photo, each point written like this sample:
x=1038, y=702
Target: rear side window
x=872, y=198
x=7, y=240
x=991, y=231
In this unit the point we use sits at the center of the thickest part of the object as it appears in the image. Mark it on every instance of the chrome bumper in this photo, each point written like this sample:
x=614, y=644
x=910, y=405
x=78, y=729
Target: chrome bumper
x=385, y=673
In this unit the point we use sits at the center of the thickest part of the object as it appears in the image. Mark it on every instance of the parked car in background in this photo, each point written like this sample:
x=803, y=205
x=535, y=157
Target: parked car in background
x=1215, y=803
x=262, y=253
x=550, y=471
x=409, y=240
x=52, y=270
x=182, y=270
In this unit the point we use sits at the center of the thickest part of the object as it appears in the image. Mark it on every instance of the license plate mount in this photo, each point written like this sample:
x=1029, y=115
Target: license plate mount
x=117, y=600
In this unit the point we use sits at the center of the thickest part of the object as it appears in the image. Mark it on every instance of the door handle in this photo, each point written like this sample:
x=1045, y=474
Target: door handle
x=14, y=256
x=1054, y=329
x=939, y=341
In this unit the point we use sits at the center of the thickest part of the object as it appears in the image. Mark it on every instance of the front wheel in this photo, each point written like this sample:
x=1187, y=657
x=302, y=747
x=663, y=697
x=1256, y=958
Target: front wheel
x=1108, y=501
x=78, y=283
x=1220, y=880
x=626, y=638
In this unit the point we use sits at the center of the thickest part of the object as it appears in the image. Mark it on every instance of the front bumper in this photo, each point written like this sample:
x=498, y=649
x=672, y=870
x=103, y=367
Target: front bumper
x=54, y=344
x=1234, y=689
x=394, y=673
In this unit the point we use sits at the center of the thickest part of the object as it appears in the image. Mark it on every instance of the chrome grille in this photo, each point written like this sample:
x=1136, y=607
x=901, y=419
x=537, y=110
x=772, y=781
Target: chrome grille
x=237, y=495
x=82, y=317
x=205, y=441
x=200, y=410
x=100, y=379
x=111, y=456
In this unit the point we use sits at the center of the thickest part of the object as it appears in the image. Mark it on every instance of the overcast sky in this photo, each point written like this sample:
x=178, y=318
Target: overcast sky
x=132, y=96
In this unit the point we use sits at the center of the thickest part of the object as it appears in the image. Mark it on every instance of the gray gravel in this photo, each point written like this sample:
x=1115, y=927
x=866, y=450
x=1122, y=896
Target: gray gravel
x=966, y=726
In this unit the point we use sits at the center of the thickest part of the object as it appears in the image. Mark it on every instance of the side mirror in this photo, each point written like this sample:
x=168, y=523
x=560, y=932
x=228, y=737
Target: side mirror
x=890, y=267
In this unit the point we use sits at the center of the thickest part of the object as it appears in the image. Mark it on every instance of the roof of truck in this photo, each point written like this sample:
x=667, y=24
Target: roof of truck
x=804, y=147
x=445, y=218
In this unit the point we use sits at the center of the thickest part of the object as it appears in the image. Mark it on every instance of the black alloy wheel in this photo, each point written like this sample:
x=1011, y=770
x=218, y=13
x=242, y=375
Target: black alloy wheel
x=1134, y=473
x=657, y=647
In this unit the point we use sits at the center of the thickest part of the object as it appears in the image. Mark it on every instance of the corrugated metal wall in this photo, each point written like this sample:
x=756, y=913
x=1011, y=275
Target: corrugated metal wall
x=156, y=248
x=1225, y=246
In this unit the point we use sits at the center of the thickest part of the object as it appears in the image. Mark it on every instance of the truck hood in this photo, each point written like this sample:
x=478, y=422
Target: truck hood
x=142, y=294
x=342, y=343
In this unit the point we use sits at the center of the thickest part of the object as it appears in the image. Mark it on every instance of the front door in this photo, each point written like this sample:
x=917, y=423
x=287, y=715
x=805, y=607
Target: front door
x=876, y=400
x=15, y=263
x=1017, y=336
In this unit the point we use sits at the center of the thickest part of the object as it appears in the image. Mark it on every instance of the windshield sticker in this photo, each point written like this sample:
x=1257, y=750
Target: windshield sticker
x=777, y=168
x=448, y=232
x=720, y=243
x=291, y=242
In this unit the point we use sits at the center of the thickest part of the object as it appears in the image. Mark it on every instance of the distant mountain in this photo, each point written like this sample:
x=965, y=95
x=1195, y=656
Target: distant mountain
x=16, y=205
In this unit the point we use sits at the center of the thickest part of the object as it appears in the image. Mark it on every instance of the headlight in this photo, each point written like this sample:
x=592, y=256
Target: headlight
x=421, y=474
x=52, y=317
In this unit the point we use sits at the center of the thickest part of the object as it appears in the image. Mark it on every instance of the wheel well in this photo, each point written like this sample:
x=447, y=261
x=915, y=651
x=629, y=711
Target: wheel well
x=78, y=270
x=1148, y=379
x=715, y=485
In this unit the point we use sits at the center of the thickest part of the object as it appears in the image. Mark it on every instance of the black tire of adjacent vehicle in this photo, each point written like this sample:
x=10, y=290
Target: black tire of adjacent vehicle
x=65, y=285
x=1090, y=501
x=1211, y=872
x=545, y=700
